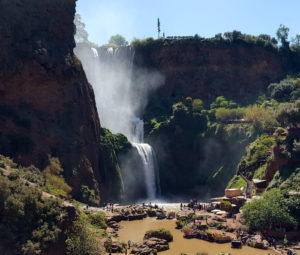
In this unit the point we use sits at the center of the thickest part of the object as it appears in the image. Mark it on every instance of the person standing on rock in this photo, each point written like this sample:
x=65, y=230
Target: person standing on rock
x=129, y=243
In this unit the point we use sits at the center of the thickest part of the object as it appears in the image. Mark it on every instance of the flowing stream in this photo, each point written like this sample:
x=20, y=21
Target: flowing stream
x=120, y=101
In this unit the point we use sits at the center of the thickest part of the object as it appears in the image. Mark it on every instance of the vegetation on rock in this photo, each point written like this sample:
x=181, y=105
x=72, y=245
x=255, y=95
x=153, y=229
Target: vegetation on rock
x=159, y=233
x=29, y=222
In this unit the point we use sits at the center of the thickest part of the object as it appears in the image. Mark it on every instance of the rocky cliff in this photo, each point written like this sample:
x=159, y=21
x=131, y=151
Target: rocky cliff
x=203, y=156
x=207, y=69
x=47, y=107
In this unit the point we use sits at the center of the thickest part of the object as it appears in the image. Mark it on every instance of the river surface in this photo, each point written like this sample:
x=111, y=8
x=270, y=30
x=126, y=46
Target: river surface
x=135, y=230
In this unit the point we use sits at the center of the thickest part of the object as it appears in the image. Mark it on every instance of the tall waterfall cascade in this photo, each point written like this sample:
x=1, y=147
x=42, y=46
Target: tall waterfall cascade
x=120, y=100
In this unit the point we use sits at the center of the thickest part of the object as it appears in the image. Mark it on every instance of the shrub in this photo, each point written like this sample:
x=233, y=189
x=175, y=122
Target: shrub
x=226, y=206
x=237, y=182
x=33, y=174
x=55, y=183
x=159, y=233
x=88, y=195
x=14, y=175
x=289, y=114
x=270, y=211
x=221, y=102
x=80, y=240
x=261, y=117
x=197, y=105
x=6, y=161
x=188, y=101
x=98, y=220
x=217, y=225
x=282, y=91
x=28, y=222
x=258, y=150
x=224, y=114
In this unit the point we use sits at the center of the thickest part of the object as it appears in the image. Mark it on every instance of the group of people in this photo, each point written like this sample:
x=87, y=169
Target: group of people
x=109, y=207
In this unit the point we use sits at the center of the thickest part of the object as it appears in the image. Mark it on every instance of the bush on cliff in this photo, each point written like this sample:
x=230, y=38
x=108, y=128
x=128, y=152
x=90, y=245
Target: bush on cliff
x=98, y=219
x=159, y=233
x=223, y=114
x=286, y=90
x=268, y=212
x=289, y=113
x=55, y=182
x=257, y=151
x=29, y=223
x=222, y=102
x=237, y=182
x=261, y=117
x=80, y=239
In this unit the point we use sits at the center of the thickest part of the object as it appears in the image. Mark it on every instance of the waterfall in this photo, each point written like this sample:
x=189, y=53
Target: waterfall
x=148, y=157
x=121, y=99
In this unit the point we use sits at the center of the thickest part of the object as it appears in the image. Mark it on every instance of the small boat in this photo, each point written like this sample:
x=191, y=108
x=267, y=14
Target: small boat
x=161, y=216
x=171, y=215
x=236, y=244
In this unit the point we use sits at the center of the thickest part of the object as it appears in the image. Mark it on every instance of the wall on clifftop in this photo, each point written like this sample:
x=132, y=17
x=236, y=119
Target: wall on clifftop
x=46, y=104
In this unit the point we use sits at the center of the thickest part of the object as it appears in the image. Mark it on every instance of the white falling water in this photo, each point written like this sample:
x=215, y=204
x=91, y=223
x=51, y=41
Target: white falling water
x=119, y=100
x=147, y=155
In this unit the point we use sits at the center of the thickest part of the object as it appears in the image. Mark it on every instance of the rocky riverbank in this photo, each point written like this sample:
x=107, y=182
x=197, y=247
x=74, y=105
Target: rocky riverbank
x=202, y=224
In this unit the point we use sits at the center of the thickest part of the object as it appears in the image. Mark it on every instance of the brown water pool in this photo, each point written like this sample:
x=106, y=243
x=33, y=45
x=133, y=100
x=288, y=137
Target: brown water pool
x=135, y=230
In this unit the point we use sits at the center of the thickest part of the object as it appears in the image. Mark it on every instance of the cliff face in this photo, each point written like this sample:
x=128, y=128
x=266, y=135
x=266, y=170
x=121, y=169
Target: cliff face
x=47, y=107
x=207, y=70
x=201, y=155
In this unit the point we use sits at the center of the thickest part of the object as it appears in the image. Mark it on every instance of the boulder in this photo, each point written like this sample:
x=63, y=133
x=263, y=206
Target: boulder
x=114, y=225
x=116, y=246
x=116, y=217
x=137, y=216
x=141, y=249
x=184, y=214
x=157, y=244
x=258, y=242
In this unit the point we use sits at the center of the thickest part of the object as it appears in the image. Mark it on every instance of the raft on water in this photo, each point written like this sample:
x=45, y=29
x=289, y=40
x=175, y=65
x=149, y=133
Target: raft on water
x=236, y=244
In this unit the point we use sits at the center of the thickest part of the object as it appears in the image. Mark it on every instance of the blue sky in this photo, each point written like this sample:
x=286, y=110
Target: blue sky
x=138, y=18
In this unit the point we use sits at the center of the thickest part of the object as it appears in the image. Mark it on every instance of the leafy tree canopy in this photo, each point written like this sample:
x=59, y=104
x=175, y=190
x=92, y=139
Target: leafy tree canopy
x=282, y=35
x=81, y=35
x=267, y=212
x=118, y=40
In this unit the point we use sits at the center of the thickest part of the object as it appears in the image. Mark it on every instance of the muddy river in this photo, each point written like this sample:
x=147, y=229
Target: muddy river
x=135, y=230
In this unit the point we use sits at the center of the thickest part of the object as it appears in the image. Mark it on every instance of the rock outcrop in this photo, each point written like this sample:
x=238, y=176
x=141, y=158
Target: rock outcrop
x=206, y=70
x=47, y=107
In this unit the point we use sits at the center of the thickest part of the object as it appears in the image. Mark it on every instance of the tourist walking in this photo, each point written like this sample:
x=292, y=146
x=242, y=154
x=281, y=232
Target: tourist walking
x=129, y=243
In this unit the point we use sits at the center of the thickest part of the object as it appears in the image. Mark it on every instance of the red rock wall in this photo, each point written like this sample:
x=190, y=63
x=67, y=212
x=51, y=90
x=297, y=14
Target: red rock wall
x=206, y=70
x=46, y=104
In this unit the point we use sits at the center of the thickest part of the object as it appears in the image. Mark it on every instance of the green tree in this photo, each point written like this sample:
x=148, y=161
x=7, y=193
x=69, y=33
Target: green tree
x=28, y=222
x=80, y=239
x=267, y=212
x=118, y=40
x=222, y=102
x=289, y=113
x=282, y=35
x=296, y=43
x=81, y=35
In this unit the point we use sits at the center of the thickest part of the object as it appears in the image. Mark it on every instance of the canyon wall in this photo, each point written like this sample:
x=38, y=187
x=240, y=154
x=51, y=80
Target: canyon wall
x=47, y=107
x=207, y=69
x=197, y=158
